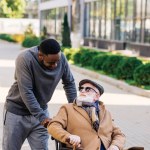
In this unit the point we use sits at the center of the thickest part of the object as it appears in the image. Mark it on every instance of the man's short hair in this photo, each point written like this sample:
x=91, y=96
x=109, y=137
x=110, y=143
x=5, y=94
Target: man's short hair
x=49, y=46
x=98, y=86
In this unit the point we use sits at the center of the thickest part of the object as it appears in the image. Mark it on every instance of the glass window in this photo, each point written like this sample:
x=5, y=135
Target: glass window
x=138, y=8
x=148, y=8
x=122, y=30
x=108, y=19
x=97, y=21
x=87, y=20
x=118, y=8
x=103, y=23
x=48, y=20
x=143, y=11
x=122, y=9
x=147, y=31
x=52, y=19
x=60, y=12
x=137, y=31
x=92, y=19
x=99, y=17
x=129, y=30
x=130, y=7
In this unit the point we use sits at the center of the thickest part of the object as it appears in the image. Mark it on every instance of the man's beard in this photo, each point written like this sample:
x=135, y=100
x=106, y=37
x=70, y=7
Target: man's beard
x=85, y=99
x=43, y=65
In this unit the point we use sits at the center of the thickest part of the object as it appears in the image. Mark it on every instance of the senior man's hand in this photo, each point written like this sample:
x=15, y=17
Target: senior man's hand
x=75, y=140
x=113, y=147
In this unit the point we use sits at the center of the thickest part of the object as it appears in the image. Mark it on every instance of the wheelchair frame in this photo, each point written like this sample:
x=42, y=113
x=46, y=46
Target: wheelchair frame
x=62, y=146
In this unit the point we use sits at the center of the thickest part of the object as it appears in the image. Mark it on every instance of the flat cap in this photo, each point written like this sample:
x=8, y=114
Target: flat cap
x=98, y=86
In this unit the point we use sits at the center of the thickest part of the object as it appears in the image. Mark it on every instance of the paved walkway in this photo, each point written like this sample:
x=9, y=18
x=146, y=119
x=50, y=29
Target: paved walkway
x=130, y=112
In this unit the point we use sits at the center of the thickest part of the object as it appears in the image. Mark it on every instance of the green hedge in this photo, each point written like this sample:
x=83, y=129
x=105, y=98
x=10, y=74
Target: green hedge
x=111, y=63
x=126, y=68
x=142, y=74
x=122, y=67
x=98, y=61
x=87, y=57
x=7, y=37
x=76, y=56
x=30, y=41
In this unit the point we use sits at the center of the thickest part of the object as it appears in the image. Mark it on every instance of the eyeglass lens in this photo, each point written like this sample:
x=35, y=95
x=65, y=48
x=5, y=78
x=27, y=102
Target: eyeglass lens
x=87, y=89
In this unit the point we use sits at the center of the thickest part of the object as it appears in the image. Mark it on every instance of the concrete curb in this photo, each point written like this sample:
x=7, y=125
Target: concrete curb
x=112, y=81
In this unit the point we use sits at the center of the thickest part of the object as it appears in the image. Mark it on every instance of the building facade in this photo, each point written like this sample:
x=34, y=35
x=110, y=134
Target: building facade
x=107, y=24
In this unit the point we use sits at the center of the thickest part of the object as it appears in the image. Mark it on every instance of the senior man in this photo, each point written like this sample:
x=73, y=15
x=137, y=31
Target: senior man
x=86, y=122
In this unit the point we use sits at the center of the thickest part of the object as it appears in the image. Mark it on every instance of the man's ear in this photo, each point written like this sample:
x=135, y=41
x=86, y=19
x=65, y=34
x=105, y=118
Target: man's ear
x=97, y=96
x=40, y=55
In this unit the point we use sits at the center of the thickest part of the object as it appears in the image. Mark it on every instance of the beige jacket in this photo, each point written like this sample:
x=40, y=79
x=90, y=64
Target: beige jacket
x=75, y=120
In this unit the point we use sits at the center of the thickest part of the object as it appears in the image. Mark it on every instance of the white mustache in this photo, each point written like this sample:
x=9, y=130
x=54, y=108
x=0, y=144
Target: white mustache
x=85, y=99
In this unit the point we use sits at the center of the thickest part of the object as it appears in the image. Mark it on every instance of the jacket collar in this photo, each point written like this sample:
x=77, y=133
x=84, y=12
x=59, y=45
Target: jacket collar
x=84, y=113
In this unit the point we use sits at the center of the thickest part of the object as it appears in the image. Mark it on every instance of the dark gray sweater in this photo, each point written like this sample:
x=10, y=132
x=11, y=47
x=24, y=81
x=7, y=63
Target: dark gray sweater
x=34, y=85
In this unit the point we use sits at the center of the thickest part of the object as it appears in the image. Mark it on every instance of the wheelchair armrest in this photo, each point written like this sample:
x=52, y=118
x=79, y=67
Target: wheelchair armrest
x=62, y=146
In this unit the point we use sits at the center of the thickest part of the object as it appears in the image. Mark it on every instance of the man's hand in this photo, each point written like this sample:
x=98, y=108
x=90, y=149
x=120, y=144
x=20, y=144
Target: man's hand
x=45, y=122
x=75, y=140
x=113, y=147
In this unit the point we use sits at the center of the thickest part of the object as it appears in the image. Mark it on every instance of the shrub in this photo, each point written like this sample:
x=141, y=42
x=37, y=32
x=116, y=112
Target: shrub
x=87, y=57
x=18, y=37
x=126, y=67
x=31, y=41
x=68, y=53
x=76, y=56
x=7, y=37
x=98, y=61
x=142, y=74
x=111, y=64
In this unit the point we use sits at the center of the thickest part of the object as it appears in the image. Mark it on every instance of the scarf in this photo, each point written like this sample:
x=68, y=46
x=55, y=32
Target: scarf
x=92, y=110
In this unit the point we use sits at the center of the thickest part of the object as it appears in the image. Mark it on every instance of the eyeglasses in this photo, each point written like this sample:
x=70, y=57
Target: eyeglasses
x=87, y=89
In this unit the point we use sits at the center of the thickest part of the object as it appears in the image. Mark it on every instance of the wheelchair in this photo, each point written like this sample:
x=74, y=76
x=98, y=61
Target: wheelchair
x=62, y=146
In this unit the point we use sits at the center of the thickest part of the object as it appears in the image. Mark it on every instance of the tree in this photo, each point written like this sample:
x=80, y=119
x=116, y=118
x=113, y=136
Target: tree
x=66, y=41
x=12, y=8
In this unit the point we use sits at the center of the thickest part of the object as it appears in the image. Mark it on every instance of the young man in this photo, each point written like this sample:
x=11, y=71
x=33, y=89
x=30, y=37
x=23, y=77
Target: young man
x=86, y=122
x=38, y=71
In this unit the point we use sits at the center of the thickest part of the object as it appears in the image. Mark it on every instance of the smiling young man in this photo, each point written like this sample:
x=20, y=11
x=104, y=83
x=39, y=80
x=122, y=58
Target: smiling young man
x=86, y=122
x=38, y=71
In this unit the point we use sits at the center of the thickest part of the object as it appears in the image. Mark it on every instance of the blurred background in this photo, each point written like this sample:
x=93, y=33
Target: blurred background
x=105, y=24
x=105, y=40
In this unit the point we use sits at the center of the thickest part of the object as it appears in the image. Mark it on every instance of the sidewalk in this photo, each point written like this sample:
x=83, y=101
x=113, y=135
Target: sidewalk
x=130, y=112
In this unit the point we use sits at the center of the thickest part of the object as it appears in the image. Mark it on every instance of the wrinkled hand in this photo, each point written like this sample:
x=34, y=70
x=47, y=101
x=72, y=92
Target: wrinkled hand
x=45, y=122
x=75, y=140
x=113, y=147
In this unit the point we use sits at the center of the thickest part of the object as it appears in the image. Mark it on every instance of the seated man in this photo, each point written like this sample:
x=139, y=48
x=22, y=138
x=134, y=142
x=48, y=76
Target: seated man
x=86, y=122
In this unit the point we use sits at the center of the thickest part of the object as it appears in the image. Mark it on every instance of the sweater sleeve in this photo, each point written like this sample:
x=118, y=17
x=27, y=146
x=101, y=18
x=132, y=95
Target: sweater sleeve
x=25, y=84
x=58, y=124
x=68, y=82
